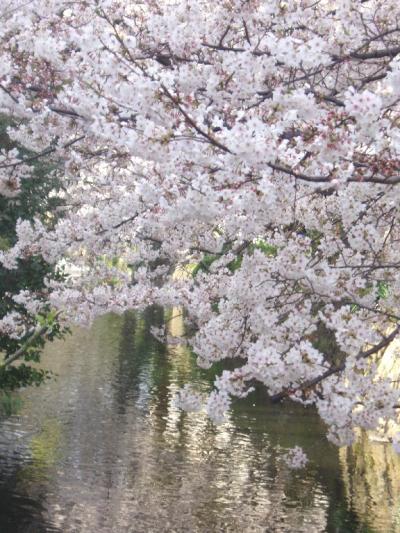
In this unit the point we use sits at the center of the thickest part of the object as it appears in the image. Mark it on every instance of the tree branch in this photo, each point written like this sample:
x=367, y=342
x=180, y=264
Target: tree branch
x=335, y=369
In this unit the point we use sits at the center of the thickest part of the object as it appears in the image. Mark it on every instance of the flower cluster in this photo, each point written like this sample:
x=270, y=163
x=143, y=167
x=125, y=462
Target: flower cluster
x=237, y=159
x=295, y=458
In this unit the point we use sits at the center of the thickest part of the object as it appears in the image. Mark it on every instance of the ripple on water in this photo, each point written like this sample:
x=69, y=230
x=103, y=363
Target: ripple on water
x=103, y=449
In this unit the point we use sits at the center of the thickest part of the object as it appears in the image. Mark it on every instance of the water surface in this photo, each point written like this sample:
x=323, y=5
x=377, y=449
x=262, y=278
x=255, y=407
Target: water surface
x=102, y=449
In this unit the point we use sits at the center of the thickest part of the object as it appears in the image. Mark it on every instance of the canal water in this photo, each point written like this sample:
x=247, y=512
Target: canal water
x=101, y=448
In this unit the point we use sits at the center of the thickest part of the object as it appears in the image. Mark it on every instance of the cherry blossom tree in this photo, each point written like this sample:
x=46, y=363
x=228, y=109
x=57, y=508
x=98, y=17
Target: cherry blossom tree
x=251, y=146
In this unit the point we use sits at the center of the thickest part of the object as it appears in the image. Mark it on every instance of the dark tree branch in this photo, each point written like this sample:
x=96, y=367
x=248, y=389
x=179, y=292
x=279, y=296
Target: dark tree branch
x=335, y=369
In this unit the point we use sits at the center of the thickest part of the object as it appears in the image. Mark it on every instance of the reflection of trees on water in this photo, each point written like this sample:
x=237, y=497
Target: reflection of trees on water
x=128, y=460
x=371, y=468
x=371, y=473
x=141, y=369
x=20, y=510
x=216, y=469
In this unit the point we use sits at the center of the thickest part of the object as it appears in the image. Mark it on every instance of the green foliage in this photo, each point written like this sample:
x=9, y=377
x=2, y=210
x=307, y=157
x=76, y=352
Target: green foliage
x=37, y=199
x=268, y=249
x=13, y=377
x=383, y=290
x=204, y=264
x=10, y=404
x=208, y=259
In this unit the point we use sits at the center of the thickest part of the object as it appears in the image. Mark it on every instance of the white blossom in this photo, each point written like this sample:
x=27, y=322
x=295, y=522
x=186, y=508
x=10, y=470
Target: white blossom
x=239, y=160
x=188, y=399
x=295, y=458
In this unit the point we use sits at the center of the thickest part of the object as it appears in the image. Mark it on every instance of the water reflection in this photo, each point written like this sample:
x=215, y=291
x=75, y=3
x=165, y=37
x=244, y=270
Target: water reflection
x=372, y=479
x=104, y=449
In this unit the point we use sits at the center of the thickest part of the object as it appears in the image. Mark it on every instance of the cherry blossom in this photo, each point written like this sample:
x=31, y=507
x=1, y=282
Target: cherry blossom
x=252, y=146
x=295, y=458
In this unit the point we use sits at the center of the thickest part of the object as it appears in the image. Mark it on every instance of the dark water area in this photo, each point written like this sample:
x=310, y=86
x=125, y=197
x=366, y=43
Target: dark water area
x=102, y=448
